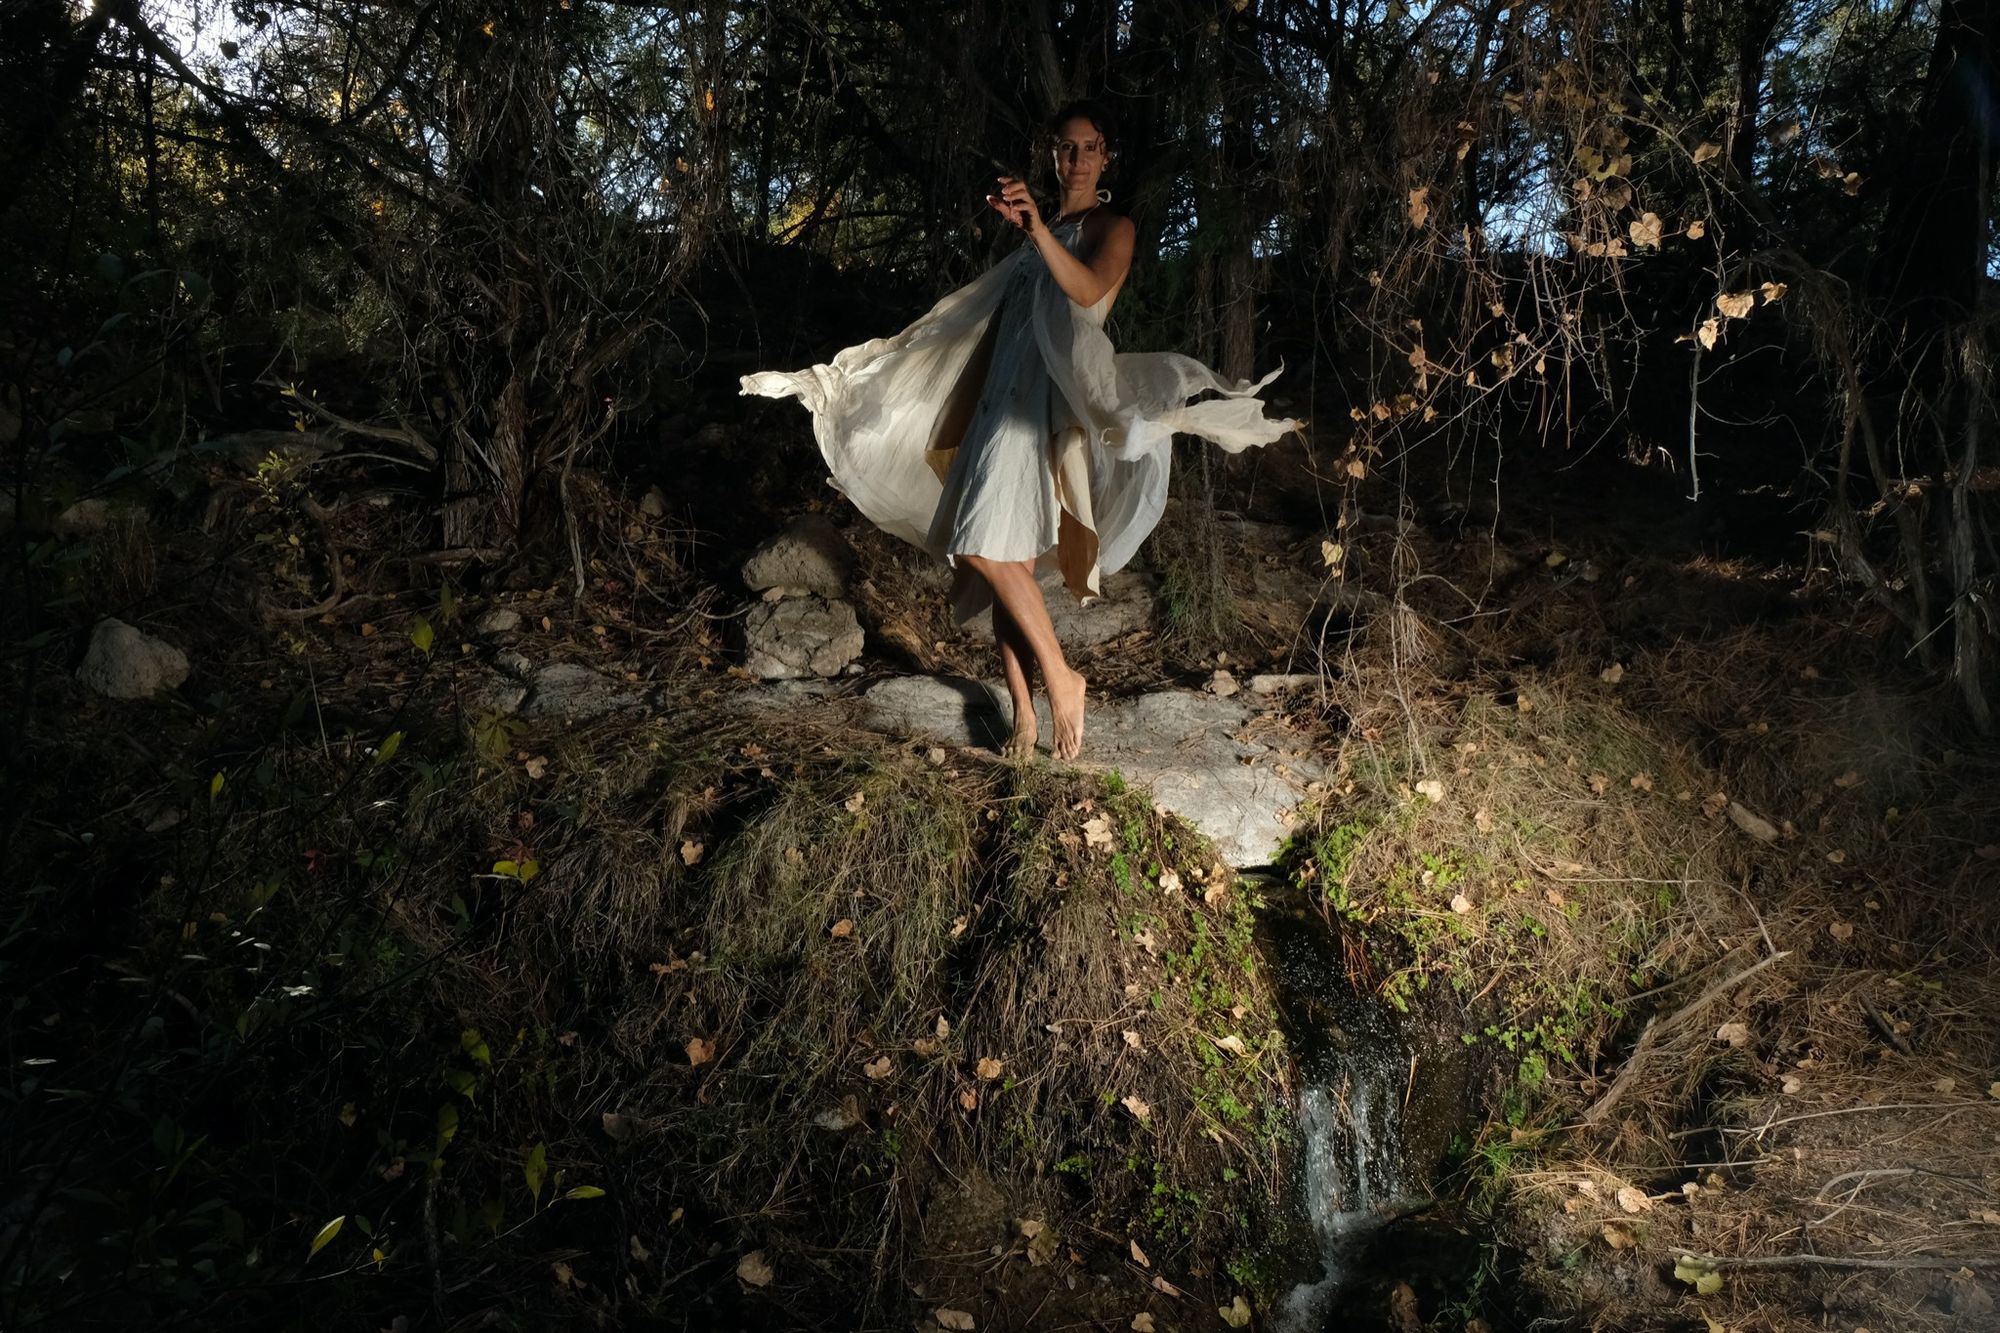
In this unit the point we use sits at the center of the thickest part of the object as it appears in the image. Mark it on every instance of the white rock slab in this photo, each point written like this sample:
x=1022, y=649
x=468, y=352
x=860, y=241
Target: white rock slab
x=1180, y=745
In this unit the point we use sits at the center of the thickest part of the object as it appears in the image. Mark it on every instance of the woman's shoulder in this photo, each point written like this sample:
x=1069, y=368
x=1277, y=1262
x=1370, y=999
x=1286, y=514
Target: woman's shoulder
x=1105, y=222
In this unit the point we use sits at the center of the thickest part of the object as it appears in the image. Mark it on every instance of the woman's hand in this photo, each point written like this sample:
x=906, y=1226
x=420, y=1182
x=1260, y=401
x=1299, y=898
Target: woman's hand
x=1018, y=206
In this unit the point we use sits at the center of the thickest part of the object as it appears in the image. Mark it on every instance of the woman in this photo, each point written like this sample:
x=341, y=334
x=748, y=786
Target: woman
x=1001, y=432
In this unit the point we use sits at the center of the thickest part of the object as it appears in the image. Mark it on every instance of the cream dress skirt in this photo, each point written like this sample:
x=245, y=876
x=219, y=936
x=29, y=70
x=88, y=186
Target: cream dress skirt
x=1003, y=424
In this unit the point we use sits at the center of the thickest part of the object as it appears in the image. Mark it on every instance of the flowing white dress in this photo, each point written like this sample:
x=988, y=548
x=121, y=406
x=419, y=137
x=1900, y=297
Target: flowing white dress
x=1003, y=424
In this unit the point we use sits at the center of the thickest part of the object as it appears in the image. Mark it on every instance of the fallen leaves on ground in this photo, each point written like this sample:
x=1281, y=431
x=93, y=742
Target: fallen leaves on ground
x=700, y=1052
x=754, y=1270
x=989, y=1068
x=879, y=1068
x=1140, y=1111
x=1139, y=1256
x=1236, y=1314
x=691, y=853
x=952, y=1319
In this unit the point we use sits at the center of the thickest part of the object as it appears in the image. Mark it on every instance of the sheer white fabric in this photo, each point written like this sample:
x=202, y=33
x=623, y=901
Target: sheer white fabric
x=877, y=410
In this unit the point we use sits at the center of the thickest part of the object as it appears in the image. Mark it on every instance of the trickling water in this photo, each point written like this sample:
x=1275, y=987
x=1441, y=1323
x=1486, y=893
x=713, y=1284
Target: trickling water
x=1352, y=1167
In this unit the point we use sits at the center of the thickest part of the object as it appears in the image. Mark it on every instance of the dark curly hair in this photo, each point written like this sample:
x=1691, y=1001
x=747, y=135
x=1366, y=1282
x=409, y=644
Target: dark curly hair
x=1098, y=114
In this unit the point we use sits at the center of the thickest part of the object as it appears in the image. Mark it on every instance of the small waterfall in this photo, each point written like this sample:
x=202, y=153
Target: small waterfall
x=1353, y=1170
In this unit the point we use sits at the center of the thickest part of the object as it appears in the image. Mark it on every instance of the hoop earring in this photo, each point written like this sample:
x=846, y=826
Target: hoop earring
x=1103, y=196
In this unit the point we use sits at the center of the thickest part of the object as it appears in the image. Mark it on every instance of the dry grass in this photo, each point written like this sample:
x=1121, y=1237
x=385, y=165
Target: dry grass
x=1575, y=878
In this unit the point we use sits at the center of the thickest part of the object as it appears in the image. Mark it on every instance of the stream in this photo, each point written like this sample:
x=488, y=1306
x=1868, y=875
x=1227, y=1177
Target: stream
x=1381, y=1098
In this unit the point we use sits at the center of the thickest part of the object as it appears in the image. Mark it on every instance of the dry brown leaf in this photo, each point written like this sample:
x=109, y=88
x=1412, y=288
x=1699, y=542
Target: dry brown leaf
x=1645, y=232
x=1139, y=1256
x=1642, y=782
x=854, y=803
x=1944, y=1085
x=1736, y=1034
x=842, y=929
x=1755, y=825
x=1132, y=1040
x=1851, y=182
x=754, y=1270
x=1618, y=1236
x=1553, y=897
x=957, y=1320
x=1217, y=895
x=1482, y=819
x=1162, y=1285
x=539, y=765
x=1791, y=1085
x=1460, y=904
x=958, y=926
x=1233, y=1044
x=943, y=1028
x=1431, y=789
x=879, y=1069
x=1841, y=930
x=1420, y=206
x=989, y=1068
x=1599, y=783
x=700, y=1052
x=1142, y=1323
x=1710, y=330
x=1850, y=778
x=1140, y=1111
x=1097, y=832
x=1773, y=291
x=1736, y=304
x=1697, y=229
x=1633, y=1200
x=1836, y=857
x=968, y=1100
x=691, y=853
x=1236, y=1314
x=1612, y=674
x=1170, y=882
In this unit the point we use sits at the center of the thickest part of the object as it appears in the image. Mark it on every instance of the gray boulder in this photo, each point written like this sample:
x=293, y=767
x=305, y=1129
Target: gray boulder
x=576, y=693
x=804, y=636
x=124, y=663
x=810, y=556
x=1127, y=605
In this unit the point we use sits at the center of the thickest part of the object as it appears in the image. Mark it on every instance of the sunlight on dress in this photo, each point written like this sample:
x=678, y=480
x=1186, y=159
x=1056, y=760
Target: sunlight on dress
x=999, y=375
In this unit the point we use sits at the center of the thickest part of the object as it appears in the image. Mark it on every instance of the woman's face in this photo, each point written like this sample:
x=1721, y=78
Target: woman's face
x=1081, y=155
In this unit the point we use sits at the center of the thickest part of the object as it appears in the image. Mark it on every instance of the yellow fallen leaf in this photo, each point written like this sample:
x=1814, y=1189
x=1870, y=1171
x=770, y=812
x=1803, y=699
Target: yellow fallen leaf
x=1420, y=207
x=1696, y=229
x=842, y=929
x=754, y=1270
x=1236, y=1314
x=700, y=1052
x=1142, y=1323
x=690, y=851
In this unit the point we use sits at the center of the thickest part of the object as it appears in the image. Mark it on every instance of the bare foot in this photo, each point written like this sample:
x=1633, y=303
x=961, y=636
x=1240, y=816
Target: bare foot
x=1021, y=745
x=1066, y=711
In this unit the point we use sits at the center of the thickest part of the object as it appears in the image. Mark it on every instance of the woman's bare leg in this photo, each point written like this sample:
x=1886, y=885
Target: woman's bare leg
x=1017, y=663
x=1014, y=587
